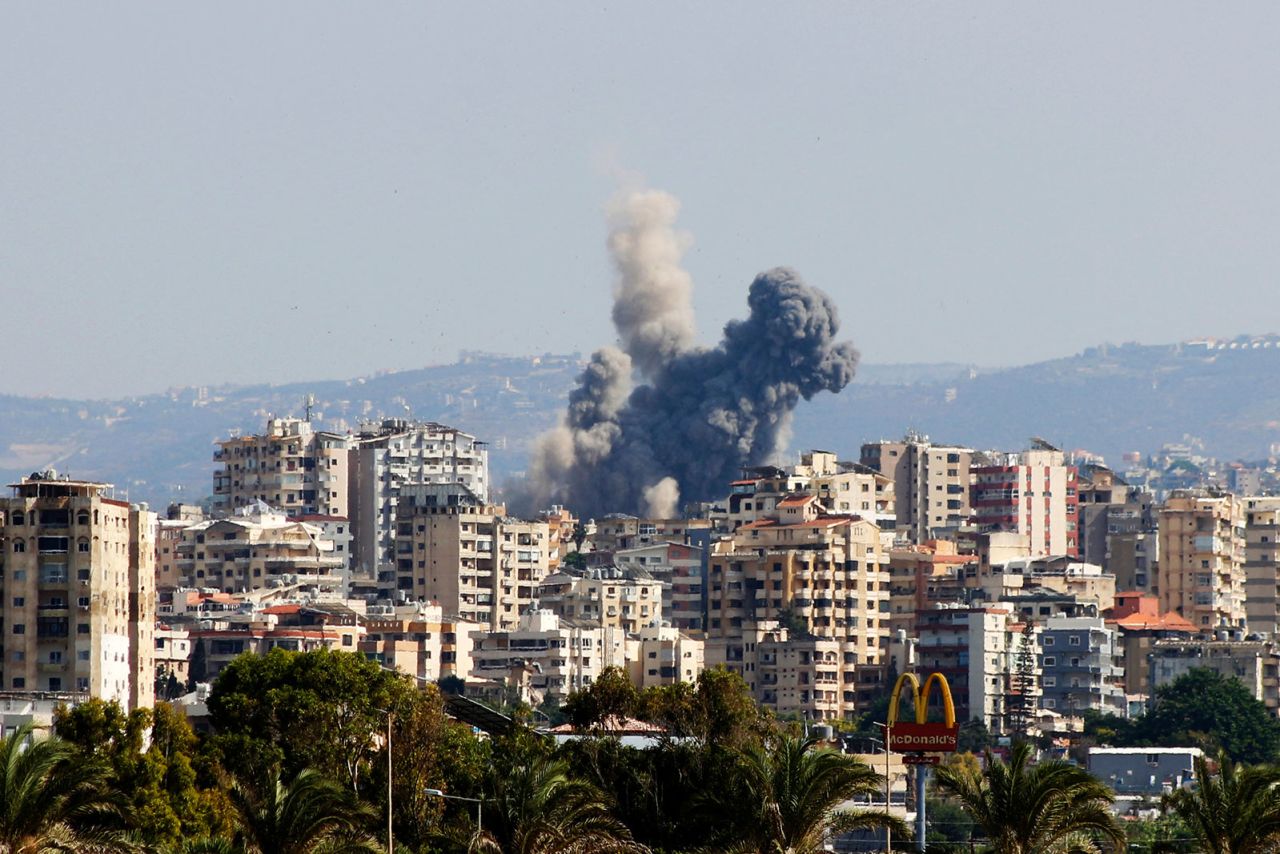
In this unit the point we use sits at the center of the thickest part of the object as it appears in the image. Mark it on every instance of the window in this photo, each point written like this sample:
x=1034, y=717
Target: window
x=1073, y=640
x=1048, y=641
x=19, y=546
x=1050, y=681
x=19, y=628
x=1050, y=660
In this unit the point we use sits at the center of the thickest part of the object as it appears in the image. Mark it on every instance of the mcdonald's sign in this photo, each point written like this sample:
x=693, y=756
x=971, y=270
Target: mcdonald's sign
x=920, y=736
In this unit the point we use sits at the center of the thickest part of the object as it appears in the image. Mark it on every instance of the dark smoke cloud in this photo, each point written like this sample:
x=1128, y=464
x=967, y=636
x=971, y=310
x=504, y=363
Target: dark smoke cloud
x=703, y=413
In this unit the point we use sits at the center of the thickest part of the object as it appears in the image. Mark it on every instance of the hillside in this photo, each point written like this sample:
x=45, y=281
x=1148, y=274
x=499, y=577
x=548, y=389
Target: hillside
x=1107, y=399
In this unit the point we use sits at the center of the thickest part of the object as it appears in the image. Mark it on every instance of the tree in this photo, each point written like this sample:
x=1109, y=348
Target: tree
x=786, y=796
x=160, y=782
x=1236, y=811
x=307, y=813
x=53, y=799
x=269, y=708
x=198, y=670
x=1211, y=711
x=719, y=709
x=1022, y=685
x=536, y=807
x=611, y=695
x=1050, y=808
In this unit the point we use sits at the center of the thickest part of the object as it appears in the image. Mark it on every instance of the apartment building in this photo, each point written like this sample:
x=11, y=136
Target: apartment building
x=617, y=532
x=1262, y=564
x=548, y=656
x=666, y=656
x=77, y=593
x=925, y=575
x=1202, y=559
x=978, y=649
x=420, y=639
x=291, y=466
x=1255, y=663
x=1033, y=494
x=395, y=453
x=828, y=574
x=1079, y=666
x=606, y=597
x=1139, y=625
x=930, y=483
x=470, y=557
x=1086, y=582
x=847, y=488
x=173, y=651
x=258, y=548
x=1118, y=528
x=679, y=567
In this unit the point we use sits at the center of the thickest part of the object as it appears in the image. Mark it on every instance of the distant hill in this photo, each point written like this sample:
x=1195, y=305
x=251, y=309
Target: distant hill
x=1108, y=399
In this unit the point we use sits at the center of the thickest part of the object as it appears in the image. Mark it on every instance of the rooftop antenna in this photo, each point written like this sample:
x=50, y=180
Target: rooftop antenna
x=309, y=404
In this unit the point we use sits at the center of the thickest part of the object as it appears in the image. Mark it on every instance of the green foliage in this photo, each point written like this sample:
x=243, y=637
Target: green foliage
x=1167, y=834
x=160, y=782
x=269, y=709
x=301, y=815
x=1050, y=808
x=1201, y=708
x=786, y=796
x=611, y=695
x=574, y=560
x=1236, y=811
x=52, y=798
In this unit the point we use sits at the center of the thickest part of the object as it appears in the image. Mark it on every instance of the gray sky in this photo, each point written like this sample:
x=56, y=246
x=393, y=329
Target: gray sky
x=203, y=193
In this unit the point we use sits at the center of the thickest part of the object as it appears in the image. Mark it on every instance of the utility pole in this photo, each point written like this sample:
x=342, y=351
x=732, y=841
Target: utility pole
x=390, y=839
x=888, y=790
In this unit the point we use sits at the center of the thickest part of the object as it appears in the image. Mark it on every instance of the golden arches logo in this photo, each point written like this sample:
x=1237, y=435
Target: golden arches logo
x=921, y=698
x=920, y=736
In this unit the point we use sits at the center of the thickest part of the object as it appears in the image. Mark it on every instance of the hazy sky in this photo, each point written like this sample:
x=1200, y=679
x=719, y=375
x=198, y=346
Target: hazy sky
x=203, y=193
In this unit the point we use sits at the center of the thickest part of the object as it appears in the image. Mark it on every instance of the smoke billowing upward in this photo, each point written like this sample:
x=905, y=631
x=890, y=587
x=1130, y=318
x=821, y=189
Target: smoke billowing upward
x=701, y=414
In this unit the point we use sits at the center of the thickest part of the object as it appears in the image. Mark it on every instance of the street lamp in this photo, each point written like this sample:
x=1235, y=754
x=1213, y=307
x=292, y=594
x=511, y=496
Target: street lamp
x=479, y=802
x=390, y=839
x=888, y=790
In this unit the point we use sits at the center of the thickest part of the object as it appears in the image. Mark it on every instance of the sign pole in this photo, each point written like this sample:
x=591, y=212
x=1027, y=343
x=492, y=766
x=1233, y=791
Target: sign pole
x=922, y=777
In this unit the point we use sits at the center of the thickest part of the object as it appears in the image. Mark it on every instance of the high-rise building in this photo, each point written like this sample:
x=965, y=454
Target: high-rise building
x=1032, y=493
x=930, y=483
x=469, y=556
x=395, y=453
x=291, y=466
x=1202, y=559
x=813, y=574
x=1262, y=564
x=77, y=595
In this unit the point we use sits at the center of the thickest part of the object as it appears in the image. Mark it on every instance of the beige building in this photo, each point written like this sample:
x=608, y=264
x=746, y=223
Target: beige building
x=468, y=556
x=816, y=574
x=291, y=466
x=173, y=651
x=614, y=533
x=78, y=592
x=1256, y=664
x=547, y=656
x=418, y=638
x=666, y=656
x=1086, y=582
x=679, y=567
x=930, y=483
x=605, y=597
x=1262, y=564
x=921, y=576
x=259, y=548
x=1202, y=559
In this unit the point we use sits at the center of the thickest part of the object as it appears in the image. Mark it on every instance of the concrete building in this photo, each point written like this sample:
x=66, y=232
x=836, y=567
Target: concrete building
x=395, y=453
x=291, y=466
x=666, y=656
x=1032, y=493
x=173, y=651
x=1202, y=559
x=925, y=575
x=1085, y=582
x=1148, y=772
x=420, y=639
x=1262, y=564
x=1139, y=625
x=1118, y=528
x=470, y=557
x=1254, y=663
x=608, y=597
x=549, y=656
x=258, y=548
x=679, y=567
x=1079, y=666
x=977, y=648
x=930, y=484
x=77, y=594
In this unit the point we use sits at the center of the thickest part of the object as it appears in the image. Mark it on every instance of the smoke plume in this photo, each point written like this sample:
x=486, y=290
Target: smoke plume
x=701, y=414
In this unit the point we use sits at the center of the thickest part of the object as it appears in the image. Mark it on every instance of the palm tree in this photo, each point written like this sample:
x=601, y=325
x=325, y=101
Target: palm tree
x=537, y=808
x=51, y=799
x=1053, y=807
x=1236, y=811
x=788, y=798
x=307, y=814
